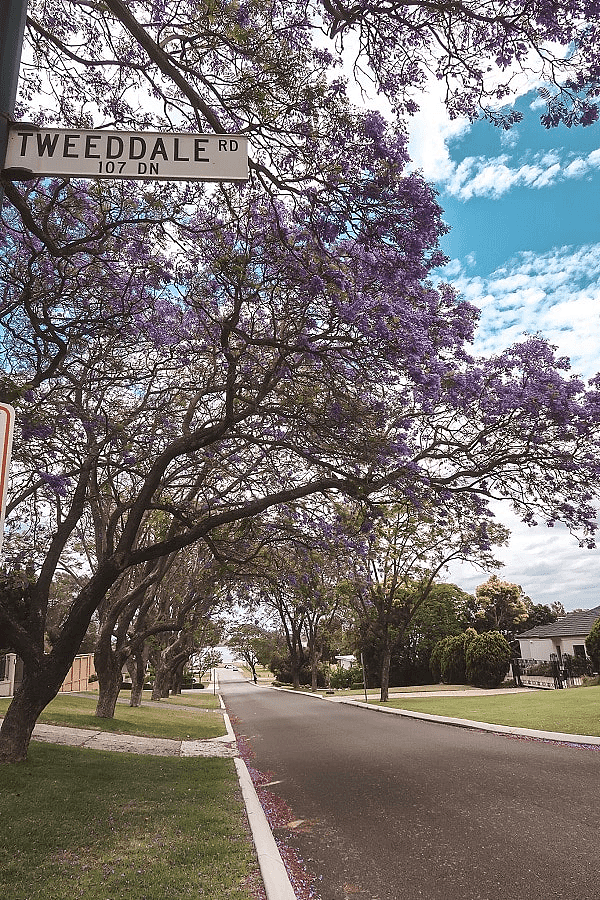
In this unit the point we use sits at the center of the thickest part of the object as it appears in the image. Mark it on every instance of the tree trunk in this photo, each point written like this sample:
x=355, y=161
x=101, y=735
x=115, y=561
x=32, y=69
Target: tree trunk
x=295, y=664
x=109, y=666
x=109, y=688
x=315, y=659
x=177, y=678
x=162, y=683
x=386, y=660
x=136, y=667
x=34, y=694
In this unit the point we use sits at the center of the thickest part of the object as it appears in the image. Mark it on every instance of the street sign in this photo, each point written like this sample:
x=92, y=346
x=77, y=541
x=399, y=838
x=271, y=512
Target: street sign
x=33, y=151
x=7, y=422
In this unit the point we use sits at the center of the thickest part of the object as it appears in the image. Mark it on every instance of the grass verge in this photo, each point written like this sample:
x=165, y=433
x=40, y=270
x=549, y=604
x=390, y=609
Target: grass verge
x=573, y=711
x=421, y=688
x=77, y=711
x=199, y=699
x=110, y=826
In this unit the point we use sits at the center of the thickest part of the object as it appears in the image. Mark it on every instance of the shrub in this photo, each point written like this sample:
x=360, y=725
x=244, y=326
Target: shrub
x=435, y=660
x=592, y=644
x=452, y=661
x=487, y=659
x=346, y=678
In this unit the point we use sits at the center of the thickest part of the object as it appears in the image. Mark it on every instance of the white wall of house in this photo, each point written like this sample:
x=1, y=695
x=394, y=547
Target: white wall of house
x=567, y=645
x=542, y=648
x=536, y=648
x=7, y=671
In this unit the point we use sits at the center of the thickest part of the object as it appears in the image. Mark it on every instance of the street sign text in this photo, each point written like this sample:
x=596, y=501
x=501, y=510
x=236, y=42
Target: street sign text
x=119, y=154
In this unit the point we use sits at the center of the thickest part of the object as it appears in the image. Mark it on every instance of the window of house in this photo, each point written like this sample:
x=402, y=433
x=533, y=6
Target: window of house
x=579, y=650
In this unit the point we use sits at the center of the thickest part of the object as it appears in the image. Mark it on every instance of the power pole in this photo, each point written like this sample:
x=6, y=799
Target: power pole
x=13, y=15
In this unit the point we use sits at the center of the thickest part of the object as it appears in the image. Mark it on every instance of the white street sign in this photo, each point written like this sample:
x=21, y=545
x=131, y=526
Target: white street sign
x=125, y=154
x=7, y=422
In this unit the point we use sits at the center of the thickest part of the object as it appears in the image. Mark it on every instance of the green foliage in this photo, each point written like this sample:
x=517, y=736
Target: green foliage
x=280, y=666
x=453, y=667
x=441, y=614
x=254, y=644
x=347, y=678
x=435, y=660
x=487, y=659
x=592, y=644
x=541, y=614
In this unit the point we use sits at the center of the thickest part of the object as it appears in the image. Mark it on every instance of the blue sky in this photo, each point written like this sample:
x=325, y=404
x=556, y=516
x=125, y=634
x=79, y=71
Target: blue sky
x=524, y=245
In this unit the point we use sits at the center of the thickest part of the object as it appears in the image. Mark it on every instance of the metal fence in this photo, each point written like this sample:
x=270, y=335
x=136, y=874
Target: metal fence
x=552, y=674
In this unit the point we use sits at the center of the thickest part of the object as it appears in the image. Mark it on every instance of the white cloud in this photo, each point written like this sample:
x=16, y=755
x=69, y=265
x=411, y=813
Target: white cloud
x=431, y=131
x=555, y=293
x=481, y=176
x=547, y=562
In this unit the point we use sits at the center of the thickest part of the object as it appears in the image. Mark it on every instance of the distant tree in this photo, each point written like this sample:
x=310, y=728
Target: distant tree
x=540, y=614
x=441, y=614
x=406, y=550
x=173, y=651
x=500, y=606
x=253, y=644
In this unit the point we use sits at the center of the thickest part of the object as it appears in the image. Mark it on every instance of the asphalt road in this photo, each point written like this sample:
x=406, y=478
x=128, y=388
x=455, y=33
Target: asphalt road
x=388, y=808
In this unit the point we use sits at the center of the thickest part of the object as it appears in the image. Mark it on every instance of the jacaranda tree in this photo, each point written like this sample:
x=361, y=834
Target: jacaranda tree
x=214, y=353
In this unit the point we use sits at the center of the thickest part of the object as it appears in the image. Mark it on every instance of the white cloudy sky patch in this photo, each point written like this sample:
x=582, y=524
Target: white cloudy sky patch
x=556, y=294
x=524, y=246
x=478, y=176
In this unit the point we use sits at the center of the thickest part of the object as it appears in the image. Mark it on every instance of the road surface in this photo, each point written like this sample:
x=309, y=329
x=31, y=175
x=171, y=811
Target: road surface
x=388, y=808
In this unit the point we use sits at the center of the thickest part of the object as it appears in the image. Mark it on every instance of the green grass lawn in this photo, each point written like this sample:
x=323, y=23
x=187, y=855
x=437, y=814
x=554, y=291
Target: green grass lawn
x=165, y=721
x=574, y=711
x=199, y=699
x=116, y=826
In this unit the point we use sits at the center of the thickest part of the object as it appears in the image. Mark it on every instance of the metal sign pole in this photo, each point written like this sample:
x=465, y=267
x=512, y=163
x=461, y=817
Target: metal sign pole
x=362, y=662
x=13, y=15
x=7, y=422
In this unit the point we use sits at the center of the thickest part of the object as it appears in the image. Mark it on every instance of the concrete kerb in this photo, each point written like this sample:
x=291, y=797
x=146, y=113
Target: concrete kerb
x=274, y=875
x=272, y=868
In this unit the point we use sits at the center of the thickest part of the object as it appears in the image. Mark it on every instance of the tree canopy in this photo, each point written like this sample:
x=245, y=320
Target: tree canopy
x=218, y=355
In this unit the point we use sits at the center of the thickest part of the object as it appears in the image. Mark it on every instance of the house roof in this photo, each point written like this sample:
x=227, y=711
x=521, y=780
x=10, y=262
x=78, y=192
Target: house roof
x=573, y=624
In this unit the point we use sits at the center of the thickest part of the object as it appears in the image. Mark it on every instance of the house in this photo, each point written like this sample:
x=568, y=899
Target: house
x=11, y=673
x=565, y=636
x=78, y=678
x=346, y=662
